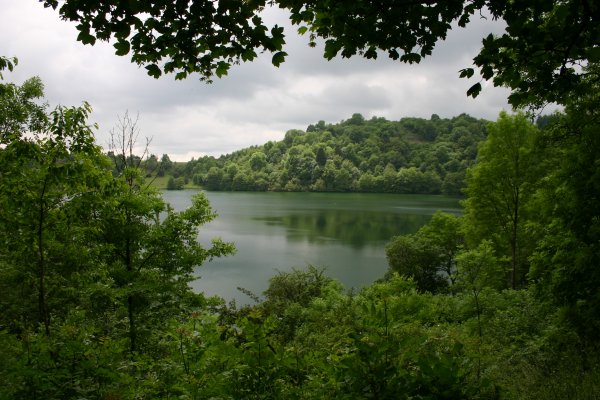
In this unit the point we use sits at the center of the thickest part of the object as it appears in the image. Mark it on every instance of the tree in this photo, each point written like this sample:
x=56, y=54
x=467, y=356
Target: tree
x=356, y=119
x=428, y=256
x=299, y=163
x=499, y=186
x=566, y=260
x=151, y=165
x=7, y=63
x=478, y=270
x=93, y=263
x=175, y=183
x=538, y=56
x=411, y=257
x=49, y=186
x=165, y=166
x=444, y=233
x=258, y=161
x=214, y=177
x=412, y=180
x=533, y=59
x=151, y=250
x=288, y=292
x=19, y=111
x=453, y=183
x=321, y=156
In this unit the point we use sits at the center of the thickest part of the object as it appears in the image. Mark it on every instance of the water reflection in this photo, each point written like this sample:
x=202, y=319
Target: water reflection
x=346, y=233
x=351, y=227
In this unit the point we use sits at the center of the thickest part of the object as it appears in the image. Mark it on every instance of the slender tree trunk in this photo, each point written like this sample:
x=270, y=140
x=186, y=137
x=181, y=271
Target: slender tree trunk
x=132, y=328
x=42, y=302
x=513, y=239
x=130, y=300
x=479, y=331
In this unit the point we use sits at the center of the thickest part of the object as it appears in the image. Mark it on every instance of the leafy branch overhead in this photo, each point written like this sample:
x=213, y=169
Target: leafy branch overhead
x=7, y=63
x=539, y=56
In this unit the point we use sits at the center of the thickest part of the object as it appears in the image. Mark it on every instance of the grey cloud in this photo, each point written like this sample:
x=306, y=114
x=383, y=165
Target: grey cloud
x=256, y=102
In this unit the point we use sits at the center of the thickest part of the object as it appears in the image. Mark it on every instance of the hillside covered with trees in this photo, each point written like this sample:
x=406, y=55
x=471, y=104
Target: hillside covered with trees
x=412, y=155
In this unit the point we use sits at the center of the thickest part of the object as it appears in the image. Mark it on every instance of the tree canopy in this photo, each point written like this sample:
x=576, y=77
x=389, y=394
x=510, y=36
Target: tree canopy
x=499, y=185
x=413, y=155
x=539, y=56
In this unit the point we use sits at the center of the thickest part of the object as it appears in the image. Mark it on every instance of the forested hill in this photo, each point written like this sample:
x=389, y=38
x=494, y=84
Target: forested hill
x=412, y=155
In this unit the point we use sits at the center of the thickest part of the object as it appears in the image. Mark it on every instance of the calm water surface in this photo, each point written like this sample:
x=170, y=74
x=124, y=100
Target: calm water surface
x=344, y=232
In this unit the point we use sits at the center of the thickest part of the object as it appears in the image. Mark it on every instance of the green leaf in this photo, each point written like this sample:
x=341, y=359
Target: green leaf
x=222, y=69
x=86, y=38
x=122, y=48
x=278, y=58
x=594, y=54
x=466, y=73
x=371, y=53
x=278, y=38
x=154, y=71
x=248, y=55
x=302, y=30
x=474, y=90
x=561, y=12
x=411, y=58
x=122, y=31
x=332, y=47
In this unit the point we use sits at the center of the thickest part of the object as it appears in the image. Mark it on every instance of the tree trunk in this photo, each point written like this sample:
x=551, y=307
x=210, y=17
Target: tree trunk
x=513, y=239
x=42, y=302
x=132, y=328
x=130, y=301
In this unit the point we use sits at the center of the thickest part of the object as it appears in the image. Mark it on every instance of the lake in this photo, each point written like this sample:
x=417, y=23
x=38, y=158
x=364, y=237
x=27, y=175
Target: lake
x=344, y=232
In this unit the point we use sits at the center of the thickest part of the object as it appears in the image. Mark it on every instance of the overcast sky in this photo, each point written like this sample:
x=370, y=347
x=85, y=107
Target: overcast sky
x=256, y=102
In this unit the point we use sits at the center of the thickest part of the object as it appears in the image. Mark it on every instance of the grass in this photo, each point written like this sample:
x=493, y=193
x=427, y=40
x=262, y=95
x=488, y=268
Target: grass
x=160, y=182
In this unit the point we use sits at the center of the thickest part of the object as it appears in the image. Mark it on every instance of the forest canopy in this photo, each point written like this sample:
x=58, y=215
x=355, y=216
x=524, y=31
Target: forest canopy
x=413, y=155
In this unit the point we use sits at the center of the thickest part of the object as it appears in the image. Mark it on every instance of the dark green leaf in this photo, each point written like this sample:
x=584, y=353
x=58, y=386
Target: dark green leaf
x=122, y=48
x=466, y=73
x=154, y=71
x=222, y=69
x=278, y=58
x=86, y=38
x=594, y=54
x=474, y=90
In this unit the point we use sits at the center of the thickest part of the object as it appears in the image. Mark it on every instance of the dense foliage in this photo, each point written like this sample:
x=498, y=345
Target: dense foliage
x=412, y=155
x=87, y=251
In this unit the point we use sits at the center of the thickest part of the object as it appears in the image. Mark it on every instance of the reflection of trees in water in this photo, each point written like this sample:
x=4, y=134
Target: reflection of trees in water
x=354, y=228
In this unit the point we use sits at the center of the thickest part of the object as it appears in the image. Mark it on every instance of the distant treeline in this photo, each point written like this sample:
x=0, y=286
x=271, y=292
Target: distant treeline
x=413, y=155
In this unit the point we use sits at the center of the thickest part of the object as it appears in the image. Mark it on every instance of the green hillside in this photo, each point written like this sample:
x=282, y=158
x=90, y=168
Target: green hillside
x=412, y=155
